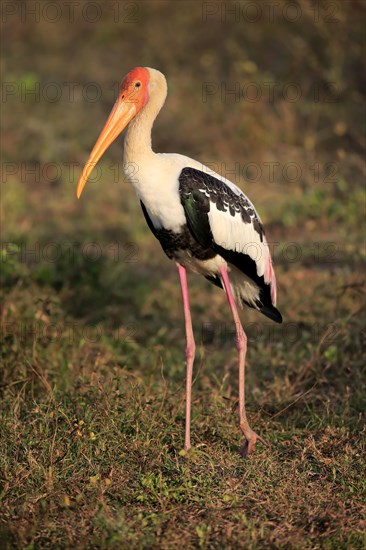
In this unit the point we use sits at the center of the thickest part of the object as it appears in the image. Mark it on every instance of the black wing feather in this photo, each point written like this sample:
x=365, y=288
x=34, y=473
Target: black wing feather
x=197, y=191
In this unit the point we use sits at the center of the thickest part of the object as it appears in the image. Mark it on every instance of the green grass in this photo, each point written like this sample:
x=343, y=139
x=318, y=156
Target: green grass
x=93, y=404
x=93, y=377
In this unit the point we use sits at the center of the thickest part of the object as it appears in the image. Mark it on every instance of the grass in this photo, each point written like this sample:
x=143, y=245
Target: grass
x=93, y=408
x=92, y=378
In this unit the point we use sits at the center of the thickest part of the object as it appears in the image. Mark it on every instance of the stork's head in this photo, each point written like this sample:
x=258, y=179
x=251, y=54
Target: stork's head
x=135, y=91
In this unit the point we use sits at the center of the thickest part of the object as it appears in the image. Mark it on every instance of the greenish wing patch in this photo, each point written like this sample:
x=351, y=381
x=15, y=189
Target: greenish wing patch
x=196, y=206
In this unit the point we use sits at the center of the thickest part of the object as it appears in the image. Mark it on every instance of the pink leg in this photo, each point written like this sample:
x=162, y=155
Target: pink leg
x=241, y=342
x=190, y=353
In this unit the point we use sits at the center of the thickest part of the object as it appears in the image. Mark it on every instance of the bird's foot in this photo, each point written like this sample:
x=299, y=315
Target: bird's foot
x=250, y=440
x=248, y=445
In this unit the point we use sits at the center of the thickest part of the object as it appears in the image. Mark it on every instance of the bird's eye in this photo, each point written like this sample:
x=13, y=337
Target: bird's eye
x=137, y=84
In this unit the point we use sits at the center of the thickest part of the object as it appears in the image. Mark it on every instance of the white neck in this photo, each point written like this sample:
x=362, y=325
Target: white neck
x=137, y=142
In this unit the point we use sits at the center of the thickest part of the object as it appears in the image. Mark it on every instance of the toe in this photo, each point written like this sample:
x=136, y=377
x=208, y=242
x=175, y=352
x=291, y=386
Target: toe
x=249, y=445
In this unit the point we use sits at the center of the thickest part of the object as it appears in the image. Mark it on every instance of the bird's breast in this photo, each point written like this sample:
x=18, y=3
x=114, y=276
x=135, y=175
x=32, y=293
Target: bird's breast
x=156, y=184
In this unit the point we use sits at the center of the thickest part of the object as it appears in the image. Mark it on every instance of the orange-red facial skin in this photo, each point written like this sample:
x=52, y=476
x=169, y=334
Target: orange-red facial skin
x=132, y=97
x=128, y=90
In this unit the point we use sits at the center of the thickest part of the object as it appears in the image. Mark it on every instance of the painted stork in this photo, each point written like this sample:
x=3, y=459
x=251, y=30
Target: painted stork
x=203, y=221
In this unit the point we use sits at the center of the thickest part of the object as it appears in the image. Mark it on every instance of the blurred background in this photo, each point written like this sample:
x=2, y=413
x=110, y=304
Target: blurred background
x=270, y=94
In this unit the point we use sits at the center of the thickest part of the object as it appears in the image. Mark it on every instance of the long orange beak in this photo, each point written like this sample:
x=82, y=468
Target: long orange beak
x=123, y=111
